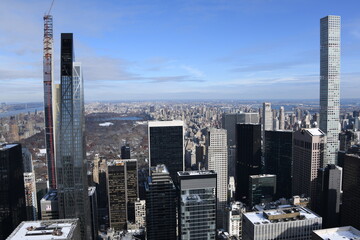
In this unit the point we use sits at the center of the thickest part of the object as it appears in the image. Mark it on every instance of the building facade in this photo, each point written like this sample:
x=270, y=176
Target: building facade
x=70, y=158
x=217, y=156
x=330, y=85
x=197, y=205
x=123, y=192
x=166, y=145
x=262, y=188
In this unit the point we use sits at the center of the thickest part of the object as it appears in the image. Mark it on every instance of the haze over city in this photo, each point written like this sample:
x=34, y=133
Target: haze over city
x=145, y=50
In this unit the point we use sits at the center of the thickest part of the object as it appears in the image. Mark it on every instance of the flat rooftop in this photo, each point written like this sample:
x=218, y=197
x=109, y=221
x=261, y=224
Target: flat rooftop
x=45, y=230
x=120, y=162
x=196, y=173
x=281, y=214
x=174, y=123
x=50, y=196
x=341, y=233
x=5, y=146
x=315, y=131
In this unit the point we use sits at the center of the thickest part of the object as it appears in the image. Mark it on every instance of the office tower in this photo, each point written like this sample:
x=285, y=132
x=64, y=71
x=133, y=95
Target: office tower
x=48, y=104
x=166, y=145
x=199, y=151
x=27, y=160
x=49, y=205
x=282, y=118
x=160, y=205
x=330, y=85
x=307, y=159
x=350, y=210
x=229, y=121
x=262, y=188
x=329, y=194
x=70, y=159
x=30, y=196
x=276, y=124
x=278, y=160
x=282, y=223
x=267, y=118
x=235, y=215
x=125, y=152
x=343, y=233
x=93, y=212
x=197, y=205
x=248, y=157
x=123, y=191
x=12, y=202
x=62, y=229
x=140, y=214
x=217, y=157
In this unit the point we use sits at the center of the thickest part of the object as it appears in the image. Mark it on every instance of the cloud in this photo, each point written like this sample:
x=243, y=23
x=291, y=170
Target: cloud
x=268, y=66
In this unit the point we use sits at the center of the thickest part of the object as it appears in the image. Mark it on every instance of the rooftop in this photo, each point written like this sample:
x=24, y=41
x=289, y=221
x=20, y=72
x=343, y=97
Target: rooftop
x=119, y=162
x=50, y=196
x=174, y=123
x=315, y=131
x=45, y=230
x=341, y=233
x=282, y=214
x=4, y=146
x=262, y=176
x=196, y=173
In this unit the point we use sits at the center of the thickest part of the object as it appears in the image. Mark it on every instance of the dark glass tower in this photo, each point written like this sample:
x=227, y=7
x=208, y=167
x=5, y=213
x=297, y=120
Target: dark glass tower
x=123, y=192
x=125, y=152
x=278, y=160
x=160, y=205
x=71, y=163
x=262, y=188
x=248, y=157
x=166, y=145
x=12, y=193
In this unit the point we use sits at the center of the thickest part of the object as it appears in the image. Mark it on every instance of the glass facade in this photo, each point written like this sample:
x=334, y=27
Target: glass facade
x=71, y=163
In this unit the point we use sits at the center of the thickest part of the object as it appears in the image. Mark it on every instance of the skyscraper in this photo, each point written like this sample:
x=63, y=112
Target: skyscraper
x=70, y=159
x=267, y=118
x=197, y=205
x=282, y=118
x=218, y=162
x=123, y=192
x=278, y=160
x=248, y=157
x=48, y=101
x=262, y=188
x=125, y=152
x=330, y=85
x=329, y=193
x=307, y=159
x=12, y=194
x=160, y=205
x=166, y=145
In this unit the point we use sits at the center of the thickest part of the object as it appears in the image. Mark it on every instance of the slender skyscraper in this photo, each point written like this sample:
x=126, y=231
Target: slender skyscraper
x=48, y=106
x=218, y=162
x=70, y=160
x=330, y=84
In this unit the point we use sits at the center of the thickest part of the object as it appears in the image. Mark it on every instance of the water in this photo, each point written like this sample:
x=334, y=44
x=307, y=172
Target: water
x=16, y=112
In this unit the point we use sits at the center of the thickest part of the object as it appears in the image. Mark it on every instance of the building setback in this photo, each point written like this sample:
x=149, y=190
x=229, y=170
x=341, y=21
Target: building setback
x=12, y=202
x=330, y=85
x=197, y=205
x=123, y=192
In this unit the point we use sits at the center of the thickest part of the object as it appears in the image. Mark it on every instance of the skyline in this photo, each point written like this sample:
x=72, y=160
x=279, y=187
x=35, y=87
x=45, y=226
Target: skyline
x=179, y=50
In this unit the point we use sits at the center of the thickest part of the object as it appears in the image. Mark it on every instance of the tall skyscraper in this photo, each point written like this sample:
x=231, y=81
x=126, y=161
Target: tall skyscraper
x=267, y=118
x=197, y=205
x=282, y=118
x=218, y=162
x=70, y=160
x=278, y=160
x=307, y=159
x=248, y=157
x=160, y=205
x=12, y=200
x=166, y=145
x=48, y=101
x=329, y=192
x=123, y=192
x=330, y=84
x=125, y=152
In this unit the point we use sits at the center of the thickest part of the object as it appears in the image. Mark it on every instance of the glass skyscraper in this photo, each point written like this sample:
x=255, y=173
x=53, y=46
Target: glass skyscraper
x=70, y=162
x=330, y=85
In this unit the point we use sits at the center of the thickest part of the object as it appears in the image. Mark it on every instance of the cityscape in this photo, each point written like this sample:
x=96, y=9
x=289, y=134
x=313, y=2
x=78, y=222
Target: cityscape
x=198, y=142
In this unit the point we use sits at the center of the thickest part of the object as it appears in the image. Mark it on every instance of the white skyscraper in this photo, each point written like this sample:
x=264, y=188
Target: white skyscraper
x=267, y=117
x=218, y=161
x=282, y=118
x=330, y=84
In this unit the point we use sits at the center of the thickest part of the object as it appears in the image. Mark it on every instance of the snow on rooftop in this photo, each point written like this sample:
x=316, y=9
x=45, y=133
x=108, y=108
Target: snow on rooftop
x=315, y=131
x=174, y=123
x=341, y=233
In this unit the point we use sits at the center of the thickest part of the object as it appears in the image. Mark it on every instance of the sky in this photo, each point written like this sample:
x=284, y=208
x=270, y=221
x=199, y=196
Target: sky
x=179, y=49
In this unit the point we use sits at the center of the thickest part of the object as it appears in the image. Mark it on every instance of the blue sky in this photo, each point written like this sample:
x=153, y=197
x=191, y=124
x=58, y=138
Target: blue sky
x=179, y=49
